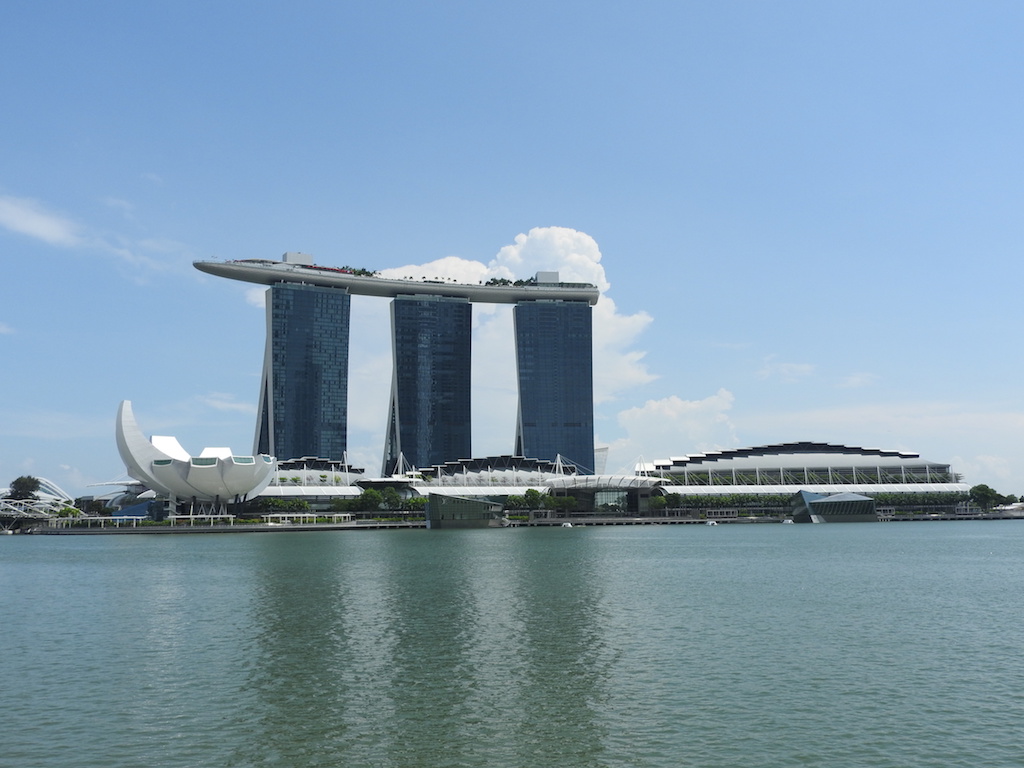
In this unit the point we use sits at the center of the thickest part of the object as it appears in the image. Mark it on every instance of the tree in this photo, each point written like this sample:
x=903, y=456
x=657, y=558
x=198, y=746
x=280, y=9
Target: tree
x=515, y=502
x=369, y=500
x=266, y=505
x=391, y=499
x=416, y=504
x=985, y=497
x=24, y=487
x=534, y=499
x=558, y=502
x=99, y=508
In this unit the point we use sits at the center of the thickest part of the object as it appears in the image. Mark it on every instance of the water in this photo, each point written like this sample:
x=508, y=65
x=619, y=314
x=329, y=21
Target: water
x=757, y=645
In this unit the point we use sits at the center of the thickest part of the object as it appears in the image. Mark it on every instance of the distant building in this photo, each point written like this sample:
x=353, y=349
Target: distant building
x=429, y=422
x=788, y=468
x=807, y=507
x=554, y=360
x=304, y=393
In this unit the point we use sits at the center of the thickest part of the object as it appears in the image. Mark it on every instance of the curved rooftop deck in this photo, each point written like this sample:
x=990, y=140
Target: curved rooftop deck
x=268, y=272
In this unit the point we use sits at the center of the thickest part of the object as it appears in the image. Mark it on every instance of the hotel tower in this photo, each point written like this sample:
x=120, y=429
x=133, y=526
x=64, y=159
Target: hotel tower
x=304, y=392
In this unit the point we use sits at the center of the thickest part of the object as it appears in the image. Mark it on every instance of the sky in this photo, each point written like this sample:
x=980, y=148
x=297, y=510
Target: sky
x=805, y=218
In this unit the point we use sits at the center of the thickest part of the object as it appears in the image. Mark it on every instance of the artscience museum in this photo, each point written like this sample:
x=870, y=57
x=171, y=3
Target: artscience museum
x=215, y=475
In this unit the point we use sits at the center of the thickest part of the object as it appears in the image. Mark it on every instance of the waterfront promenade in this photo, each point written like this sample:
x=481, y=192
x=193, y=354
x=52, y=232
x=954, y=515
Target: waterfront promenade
x=219, y=524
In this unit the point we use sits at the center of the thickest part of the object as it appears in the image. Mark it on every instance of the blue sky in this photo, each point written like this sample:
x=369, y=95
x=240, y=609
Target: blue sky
x=805, y=216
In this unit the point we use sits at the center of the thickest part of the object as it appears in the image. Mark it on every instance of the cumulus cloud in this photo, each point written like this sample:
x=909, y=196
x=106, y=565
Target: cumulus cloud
x=672, y=426
x=28, y=217
x=618, y=365
x=256, y=296
x=577, y=259
x=5, y=329
x=448, y=268
x=573, y=254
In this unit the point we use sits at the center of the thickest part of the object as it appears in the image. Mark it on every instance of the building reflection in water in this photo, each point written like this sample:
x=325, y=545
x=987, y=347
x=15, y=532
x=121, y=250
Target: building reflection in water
x=426, y=648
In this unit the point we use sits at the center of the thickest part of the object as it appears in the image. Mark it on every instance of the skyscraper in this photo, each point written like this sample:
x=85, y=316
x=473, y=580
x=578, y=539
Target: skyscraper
x=304, y=392
x=303, y=403
x=554, y=360
x=429, y=420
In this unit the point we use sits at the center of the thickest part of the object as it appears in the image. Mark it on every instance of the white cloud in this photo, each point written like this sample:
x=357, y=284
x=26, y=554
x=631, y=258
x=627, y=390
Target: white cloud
x=672, y=427
x=131, y=253
x=928, y=419
x=447, y=268
x=617, y=366
x=221, y=401
x=125, y=207
x=494, y=380
x=369, y=380
x=28, y=217
x=31, y=218
x=996, y=471
x=858, y=380
x=54, y=425
x=788, y=372
x=574, y=255
x=968, y=435
x=256, y=296
x=5, y=329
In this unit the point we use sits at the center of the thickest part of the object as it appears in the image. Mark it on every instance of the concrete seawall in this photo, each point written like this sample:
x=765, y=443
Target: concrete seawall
x=186, y=529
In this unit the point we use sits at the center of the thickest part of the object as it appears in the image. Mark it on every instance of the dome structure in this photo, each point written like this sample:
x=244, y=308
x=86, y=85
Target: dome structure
x=216, y=474
x=48, y=492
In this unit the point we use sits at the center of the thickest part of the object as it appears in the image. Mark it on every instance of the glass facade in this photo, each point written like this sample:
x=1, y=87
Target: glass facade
x=429, y=422
x=304, y=394
x=554, y=357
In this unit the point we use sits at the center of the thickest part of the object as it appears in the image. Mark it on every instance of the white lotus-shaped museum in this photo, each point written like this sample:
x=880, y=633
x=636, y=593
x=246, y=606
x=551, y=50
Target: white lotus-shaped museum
x=164, y=466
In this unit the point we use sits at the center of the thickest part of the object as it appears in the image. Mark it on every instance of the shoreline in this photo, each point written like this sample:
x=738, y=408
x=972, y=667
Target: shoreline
x=125, y=529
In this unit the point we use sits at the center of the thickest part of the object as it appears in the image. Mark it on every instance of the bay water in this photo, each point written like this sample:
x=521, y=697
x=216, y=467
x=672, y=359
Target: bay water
x=736, y=645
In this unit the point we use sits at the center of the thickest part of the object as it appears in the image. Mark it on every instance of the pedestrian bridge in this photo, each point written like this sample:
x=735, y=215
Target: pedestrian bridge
x=15, y=513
